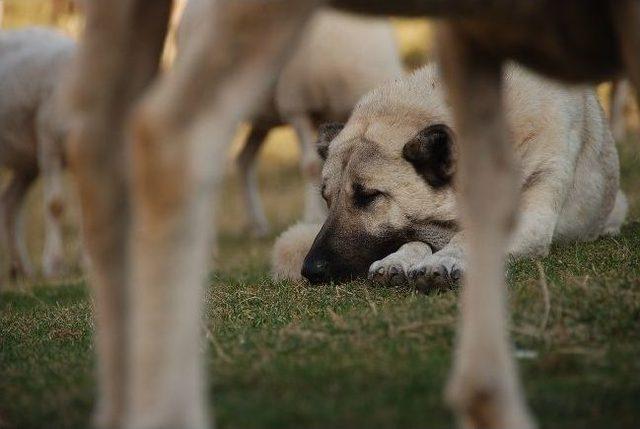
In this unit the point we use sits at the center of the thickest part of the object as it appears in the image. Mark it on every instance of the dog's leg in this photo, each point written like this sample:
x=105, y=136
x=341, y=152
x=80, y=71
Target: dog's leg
x=539, y=209
x=443, y=269
x=247, y=163
x=314, y=207
x=484, y=389
x=180, y=133
x=118, y=57
x=394, y=268
x=12, y=225
x=51, y=169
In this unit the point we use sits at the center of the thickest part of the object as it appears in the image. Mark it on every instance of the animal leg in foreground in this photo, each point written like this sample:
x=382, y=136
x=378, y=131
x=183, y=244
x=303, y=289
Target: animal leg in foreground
x=483, y=389
x=117, y=58
x=180, y=133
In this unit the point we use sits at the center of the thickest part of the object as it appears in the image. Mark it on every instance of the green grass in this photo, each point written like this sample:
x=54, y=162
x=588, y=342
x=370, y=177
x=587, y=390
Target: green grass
x=288, y=356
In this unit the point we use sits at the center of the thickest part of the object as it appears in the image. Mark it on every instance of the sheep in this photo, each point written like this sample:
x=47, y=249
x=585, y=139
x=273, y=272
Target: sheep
x=340, y=58
x=32, y=130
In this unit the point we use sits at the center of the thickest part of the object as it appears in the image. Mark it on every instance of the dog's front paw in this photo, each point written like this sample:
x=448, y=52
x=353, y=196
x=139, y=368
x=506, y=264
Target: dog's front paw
x=437, y=272
x=393, y=269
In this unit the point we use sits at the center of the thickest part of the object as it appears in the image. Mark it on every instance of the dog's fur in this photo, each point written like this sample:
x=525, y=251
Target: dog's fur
x=339, y=58
x=32, y=129
x=290, y=249
x=389, y=177
x=144, y=227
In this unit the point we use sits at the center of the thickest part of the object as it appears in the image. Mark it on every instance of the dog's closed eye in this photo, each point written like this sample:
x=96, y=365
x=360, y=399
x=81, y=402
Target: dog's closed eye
x=362, y=197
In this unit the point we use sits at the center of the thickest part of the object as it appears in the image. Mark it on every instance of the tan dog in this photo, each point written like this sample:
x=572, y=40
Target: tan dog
x=388, y=179
x=32, y=129
x=144, y=227
x=339, y=58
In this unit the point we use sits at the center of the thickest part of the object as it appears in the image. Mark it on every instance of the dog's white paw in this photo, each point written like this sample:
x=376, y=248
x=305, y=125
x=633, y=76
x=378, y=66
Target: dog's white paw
x=393, y=269
x=437, y=272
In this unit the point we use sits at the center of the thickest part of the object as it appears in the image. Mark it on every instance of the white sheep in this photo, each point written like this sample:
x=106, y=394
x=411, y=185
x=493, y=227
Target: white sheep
x=32, y=63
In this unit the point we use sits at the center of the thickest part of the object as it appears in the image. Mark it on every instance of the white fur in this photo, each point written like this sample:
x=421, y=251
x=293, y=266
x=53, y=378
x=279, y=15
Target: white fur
x=32, y=129
x=290, y=249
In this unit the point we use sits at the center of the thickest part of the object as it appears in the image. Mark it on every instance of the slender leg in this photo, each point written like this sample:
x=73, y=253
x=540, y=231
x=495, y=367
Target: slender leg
x=617, y=102
x=626, y=16
x=12, y=225
x=315, y=209
x=214, y=86
x=484, y=389
x=258, y=224
x=51, y=169
x=118, y=57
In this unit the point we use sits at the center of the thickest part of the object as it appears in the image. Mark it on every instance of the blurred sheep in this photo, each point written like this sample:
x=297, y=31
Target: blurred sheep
x=340, y=58
x=32, y=130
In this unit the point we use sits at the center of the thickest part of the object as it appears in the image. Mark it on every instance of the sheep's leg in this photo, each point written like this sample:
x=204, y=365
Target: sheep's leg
x=626, y=17
x=12, y=225
x=484, y=389
x=180, y=135
x=117, y=59
x=315, y=209
x=617, y=101
x=258, y=224
x=51, y=169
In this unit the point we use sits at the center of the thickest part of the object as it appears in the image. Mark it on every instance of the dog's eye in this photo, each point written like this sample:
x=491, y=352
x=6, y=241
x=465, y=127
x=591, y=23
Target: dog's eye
x=363, y=197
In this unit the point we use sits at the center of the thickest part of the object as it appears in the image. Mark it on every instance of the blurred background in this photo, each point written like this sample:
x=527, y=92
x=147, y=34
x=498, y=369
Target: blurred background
x=279, y=176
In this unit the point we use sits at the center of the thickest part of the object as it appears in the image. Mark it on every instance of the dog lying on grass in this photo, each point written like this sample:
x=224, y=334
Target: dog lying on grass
x=388, y=181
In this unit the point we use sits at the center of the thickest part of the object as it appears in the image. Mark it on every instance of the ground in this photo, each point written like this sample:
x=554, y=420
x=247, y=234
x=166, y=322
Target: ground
x=287, y=355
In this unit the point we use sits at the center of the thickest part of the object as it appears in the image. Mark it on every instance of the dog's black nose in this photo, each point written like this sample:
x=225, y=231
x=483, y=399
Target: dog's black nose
x=315, y=270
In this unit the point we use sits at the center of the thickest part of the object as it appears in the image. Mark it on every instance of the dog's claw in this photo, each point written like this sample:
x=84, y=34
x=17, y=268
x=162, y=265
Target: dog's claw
x=436, y=273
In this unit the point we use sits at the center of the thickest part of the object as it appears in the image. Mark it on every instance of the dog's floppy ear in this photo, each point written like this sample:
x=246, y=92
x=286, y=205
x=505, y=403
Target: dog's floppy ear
x=326, y=133
x=431, y=154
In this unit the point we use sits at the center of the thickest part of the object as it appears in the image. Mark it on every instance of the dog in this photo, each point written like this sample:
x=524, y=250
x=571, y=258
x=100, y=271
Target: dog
x=32, y=132
x=339, y=58
x=146, y=154
x=388, y=179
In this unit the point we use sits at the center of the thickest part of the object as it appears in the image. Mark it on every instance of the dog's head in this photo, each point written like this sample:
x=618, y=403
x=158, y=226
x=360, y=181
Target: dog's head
x=387, y=180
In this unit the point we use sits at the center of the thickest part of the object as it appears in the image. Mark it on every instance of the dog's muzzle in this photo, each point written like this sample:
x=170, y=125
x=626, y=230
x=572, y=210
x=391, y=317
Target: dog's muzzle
x=315, y=270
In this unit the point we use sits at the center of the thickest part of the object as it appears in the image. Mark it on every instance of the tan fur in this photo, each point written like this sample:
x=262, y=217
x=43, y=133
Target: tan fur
x=32, y=127
x=339, y=58
x=147, y=242
x=290, y=249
